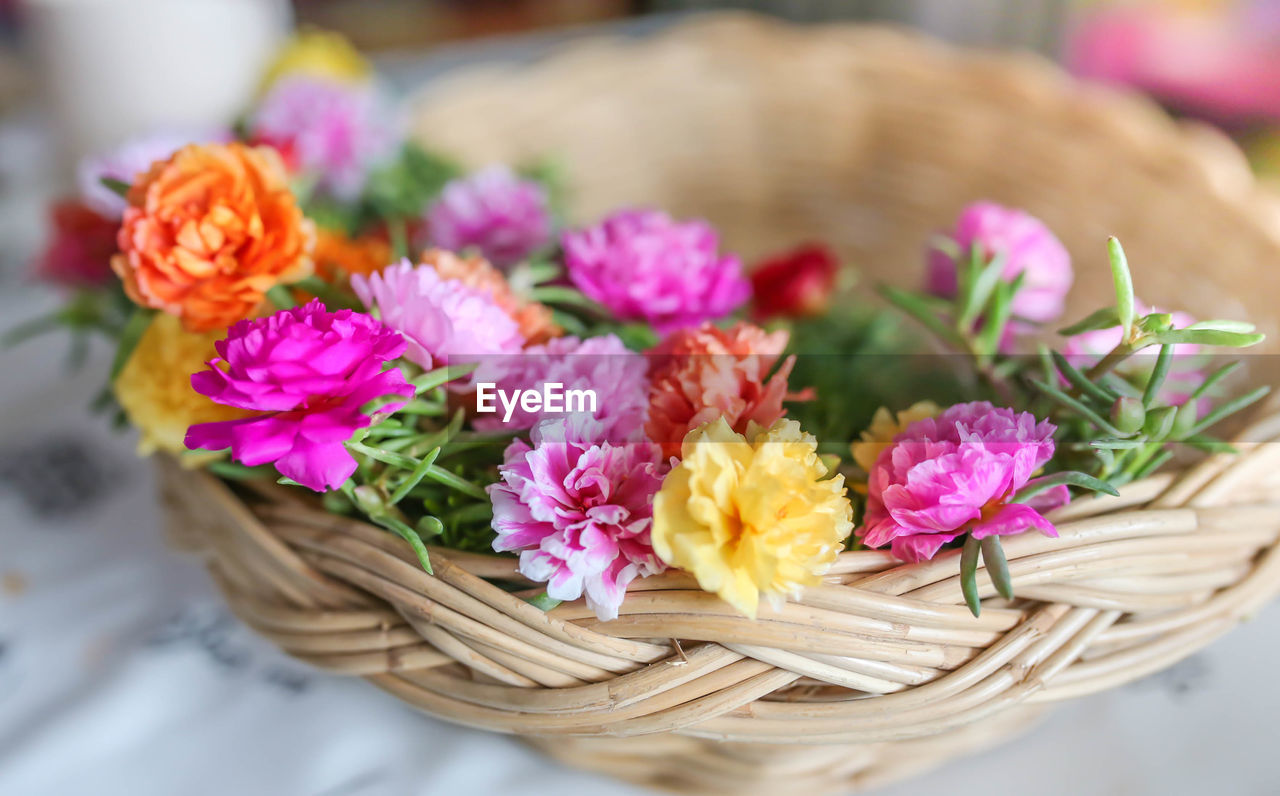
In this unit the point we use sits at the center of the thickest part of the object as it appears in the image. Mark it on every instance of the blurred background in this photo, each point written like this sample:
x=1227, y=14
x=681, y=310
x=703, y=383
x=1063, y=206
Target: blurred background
x=121, y=672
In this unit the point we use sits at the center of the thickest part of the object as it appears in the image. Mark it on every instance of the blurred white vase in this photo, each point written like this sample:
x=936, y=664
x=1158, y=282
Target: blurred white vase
x=117, y=68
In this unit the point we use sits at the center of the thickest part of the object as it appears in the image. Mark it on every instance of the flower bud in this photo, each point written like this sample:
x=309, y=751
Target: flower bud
x=1159, y=422
x=369, y=501
x=1185, y=419
x=1128, y=414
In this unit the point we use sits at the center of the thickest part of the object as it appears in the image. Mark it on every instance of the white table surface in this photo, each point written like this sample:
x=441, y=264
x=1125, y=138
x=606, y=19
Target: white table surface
x=122, y=674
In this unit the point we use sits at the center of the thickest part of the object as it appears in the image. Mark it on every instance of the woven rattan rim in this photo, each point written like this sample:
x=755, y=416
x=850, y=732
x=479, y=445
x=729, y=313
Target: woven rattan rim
x=883, y=656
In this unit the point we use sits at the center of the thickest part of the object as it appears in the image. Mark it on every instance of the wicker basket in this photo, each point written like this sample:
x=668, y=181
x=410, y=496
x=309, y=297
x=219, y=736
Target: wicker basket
x=867, y=139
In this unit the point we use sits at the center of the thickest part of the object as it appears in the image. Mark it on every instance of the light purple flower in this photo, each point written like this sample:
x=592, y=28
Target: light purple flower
x=643, y=266
x=129, y=160
x=503, y=216
x=579, y=512
x=309, y=372
x=443, y=320
x=1186, y=372
x=333, y=130
x=955, y=473
x=617, y=378
x=1028, y=247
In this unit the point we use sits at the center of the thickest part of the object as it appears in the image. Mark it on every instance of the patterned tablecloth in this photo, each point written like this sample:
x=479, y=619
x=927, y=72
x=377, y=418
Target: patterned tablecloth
x=121, y=672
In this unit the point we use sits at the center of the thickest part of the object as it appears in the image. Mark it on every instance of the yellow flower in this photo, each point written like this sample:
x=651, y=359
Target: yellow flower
x=154, y=387
x=751, y=515
x=884, y=428
x=318, y=53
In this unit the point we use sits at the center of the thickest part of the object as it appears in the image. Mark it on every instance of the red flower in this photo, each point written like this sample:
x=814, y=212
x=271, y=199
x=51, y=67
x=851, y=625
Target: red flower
x=795, y=284
x=80, y=249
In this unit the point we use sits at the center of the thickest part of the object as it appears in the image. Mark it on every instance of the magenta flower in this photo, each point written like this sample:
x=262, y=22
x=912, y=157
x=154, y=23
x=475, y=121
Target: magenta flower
x=579, y=512
x=494, y=211
x=1028, y=247
x=127, y=161
x=616, y=377
x=310, y=373
x=443, y=320
x=333, y=130
x=643, y=266
x=954, y=474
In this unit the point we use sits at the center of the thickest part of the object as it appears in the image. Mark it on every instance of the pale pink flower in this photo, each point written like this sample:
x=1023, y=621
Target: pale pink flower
x=579, y=512
x=443, y=320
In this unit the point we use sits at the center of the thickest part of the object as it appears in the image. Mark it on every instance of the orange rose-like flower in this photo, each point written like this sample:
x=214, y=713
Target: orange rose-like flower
x=209, y=231
x=699, y=375
x=533, y=318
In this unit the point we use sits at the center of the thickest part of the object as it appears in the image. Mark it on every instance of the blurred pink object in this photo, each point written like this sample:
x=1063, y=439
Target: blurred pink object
x=1224, y=67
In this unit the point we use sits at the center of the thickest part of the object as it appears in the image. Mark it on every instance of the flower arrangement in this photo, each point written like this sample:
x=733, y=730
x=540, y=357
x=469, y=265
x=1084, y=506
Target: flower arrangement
x=613, y=400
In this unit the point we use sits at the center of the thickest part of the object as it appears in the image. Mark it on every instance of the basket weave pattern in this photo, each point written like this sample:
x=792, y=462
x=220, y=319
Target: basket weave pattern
x=868, y=139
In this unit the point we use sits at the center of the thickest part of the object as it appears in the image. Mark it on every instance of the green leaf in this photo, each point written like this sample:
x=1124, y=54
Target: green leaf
x=1069, y=478
x=997, y=566
x=980, y=288
x=1155, y=463
x=281, y=297
x=1079, y=408
x=1210, y=337
x=998, y=312
x=1214, y=378
x=439, y=376
x=924, y=311
x=1158, y=374
x=1080, y=381
x=414, y=478
x=409, y=535
x=1229, y=408
x=566, y=296
x=234, y=471
x=1240, y=327
x=332, y=297
x=1123, y=282
x=129, y=337
x=969, y=575
x=542, y=601
x=118, y=187
x=1105, y=318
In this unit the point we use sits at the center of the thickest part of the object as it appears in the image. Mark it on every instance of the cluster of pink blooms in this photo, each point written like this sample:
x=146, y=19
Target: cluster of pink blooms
x=307, y=373
x=442, y=320
x=644, y=266
x=576, y=501
x=579, y=511
x=954, y=474
x=334, y=131
x=504, y=217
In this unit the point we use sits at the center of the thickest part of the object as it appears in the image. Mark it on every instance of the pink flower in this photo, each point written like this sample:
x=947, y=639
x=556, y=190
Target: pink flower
x=579, y=512
x=333, y=130
x=310, y=373
x=953, y=474
x=616, y=376
x=79, y=251
x=643, y=266
x=127, y=161
x=1185, y=373
x=443, y=320
x=1028, y=247
x=504, y=217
